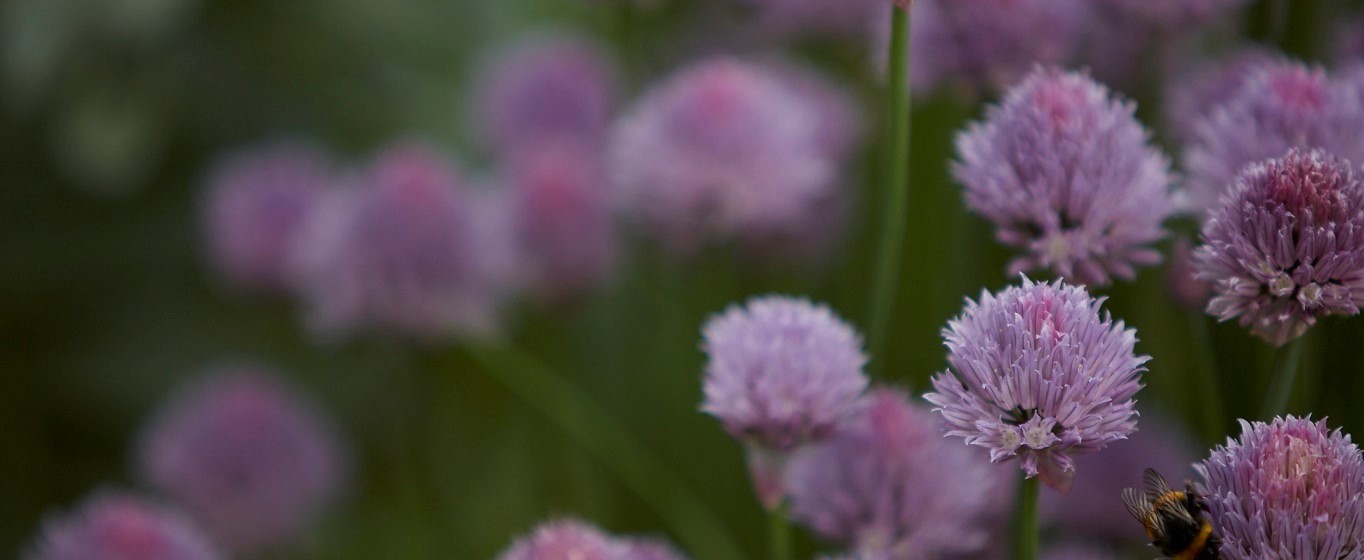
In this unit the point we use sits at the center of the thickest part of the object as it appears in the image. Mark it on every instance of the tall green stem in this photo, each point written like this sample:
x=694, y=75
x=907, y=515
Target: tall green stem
x=654, y=481
x=1206, y=375
x=1026, y=530
x=897, y=188
x=779, y=532
x=1286, y=361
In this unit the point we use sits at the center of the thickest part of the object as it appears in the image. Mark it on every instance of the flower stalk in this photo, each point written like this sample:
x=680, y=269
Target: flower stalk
x=892, y=239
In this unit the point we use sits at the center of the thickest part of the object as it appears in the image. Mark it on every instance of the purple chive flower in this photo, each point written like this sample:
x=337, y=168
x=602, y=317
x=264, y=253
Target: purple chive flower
x=782, y=373
x=254, y=204
x=1281, y=106
x=1169, y=15
x=888, y=485
x=1196, y=89
x=1093, y=509
x=985, y=44
x=564, y=223
x=1037, y=373
x=1291, y=488
x=410, y=250
x=250, y=460
x=1286, y=245
x=1067, y=174
x=724, y=149
x=121, y=527
x=1181, y=278
x=571, y=539
x=547, y=88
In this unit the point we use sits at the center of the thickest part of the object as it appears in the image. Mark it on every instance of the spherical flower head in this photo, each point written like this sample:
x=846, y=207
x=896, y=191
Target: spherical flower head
x=1091, y=509
x=984, y=45
x=1198, y=88
x=1067, y=175
x=888, y=485
x=546, y=88
x=781, y=372
x=566, y=235
x=722, y=150
x=1290, y=488
x=1286, y=245
x=254, y=204
x=565, y=539
x=1037, y=373
x=250, y=460
x=1169, y=15
x=408, y=251
x=1283, y=105
x=121, y=527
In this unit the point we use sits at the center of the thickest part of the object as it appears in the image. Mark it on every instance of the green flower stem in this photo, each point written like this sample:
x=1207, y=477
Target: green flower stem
x=1207, y=376
x=655, y=482
x=1286, y=361
x=780, y=533
x=1026, y=530
x=896, y=200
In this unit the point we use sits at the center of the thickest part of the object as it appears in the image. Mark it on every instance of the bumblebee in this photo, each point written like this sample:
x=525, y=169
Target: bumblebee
x=1173, y=519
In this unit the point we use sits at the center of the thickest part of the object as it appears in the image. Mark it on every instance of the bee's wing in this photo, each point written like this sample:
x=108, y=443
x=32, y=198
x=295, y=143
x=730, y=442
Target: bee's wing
x=1156, y=486
x=1137, y=504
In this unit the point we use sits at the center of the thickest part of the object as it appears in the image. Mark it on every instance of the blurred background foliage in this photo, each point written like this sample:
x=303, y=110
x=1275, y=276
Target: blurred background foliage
x=112, y=110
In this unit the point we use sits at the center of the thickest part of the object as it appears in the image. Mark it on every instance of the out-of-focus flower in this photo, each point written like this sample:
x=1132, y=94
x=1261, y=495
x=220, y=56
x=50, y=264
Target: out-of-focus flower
x=1286, y=245
x=121, y=527
x=985, y=44
x=1283, y=105
x=724, y=150
x=1067, y=174
x=409, y=250
x=1093, y=508
x=1168, y=15
x=1037, y=373
x=1078, y=551
x=549, y=88
x=1194, y=90
x=247, y=458
x=781, y=373
x=1181, y=278
x=571, y=539
x=1290, y=488
x=567, y=239
x=815, y=17
x=254, y=205
x=887, y=485
x=1348, y=46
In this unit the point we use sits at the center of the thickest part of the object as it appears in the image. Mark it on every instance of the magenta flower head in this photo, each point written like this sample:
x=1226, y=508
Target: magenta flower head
x=815, y=17
x=1290, y=488
x=649, y=549
x=254, y=205
x=556, y=87
x=1092, y=509
x=121, y=527
x=1198, y=88
x=1067, y=174
x=781, y=373
x=723, y=150
x=1283, y=105
x=985, y=44
x=888, y=485
x=1286, y=245
x=566, y=235
x=1037, y=373
x=409, y=251
x=250, y=460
